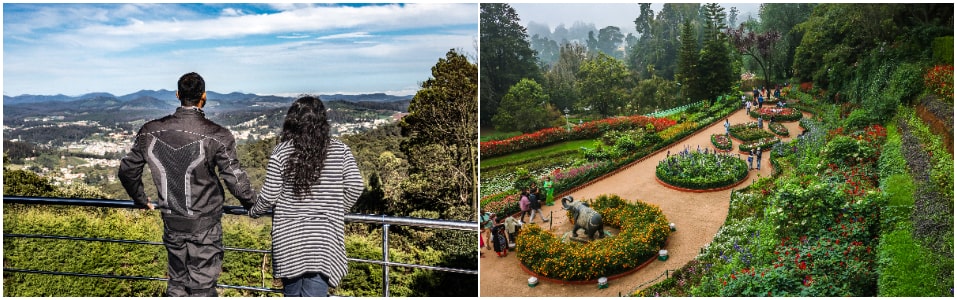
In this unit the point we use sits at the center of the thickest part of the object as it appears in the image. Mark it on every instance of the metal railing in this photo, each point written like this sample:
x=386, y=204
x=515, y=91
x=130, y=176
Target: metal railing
x=384, y=221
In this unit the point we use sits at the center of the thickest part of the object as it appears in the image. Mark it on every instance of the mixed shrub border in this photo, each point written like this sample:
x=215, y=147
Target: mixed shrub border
x=586, y=130
x=644, y=229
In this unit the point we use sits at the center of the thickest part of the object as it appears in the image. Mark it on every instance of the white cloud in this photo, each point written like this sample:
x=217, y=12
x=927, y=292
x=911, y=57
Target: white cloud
x=144, y=47
x=351, y=35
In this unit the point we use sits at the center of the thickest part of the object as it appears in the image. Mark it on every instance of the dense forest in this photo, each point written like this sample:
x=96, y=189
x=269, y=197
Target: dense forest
x=425, y=166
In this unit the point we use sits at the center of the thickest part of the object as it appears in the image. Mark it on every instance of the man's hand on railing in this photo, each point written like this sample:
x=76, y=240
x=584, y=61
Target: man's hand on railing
x=149, y=204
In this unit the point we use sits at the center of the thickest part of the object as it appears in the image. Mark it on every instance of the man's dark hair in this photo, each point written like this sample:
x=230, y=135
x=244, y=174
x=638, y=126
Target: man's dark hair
x=191, y=87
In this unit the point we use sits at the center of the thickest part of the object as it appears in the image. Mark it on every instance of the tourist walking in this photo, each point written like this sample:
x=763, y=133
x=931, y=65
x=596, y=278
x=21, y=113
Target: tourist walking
x=535, y=206
x=727, y=127
x=524, y=205
x=759, y=158
x=747, y=106
x=312, y=181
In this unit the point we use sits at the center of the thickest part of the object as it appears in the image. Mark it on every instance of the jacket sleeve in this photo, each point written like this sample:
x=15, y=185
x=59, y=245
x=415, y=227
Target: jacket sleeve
x=232, y=173
x=351, y=178
x=272, y=187
x=131, y=171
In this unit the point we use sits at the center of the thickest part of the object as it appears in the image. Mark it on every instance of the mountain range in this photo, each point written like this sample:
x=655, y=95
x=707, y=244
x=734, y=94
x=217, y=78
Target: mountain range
x=170, y=96
x=232, y=108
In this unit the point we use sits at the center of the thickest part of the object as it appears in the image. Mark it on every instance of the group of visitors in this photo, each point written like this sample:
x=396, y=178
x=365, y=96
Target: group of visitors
x=751, y=158
x=500, y=234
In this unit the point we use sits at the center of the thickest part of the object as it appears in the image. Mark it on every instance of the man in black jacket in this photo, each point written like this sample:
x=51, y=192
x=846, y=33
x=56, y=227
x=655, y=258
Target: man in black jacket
x=183, y=151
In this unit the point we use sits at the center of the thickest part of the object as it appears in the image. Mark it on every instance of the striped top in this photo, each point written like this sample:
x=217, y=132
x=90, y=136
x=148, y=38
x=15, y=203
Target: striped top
x=308, y=233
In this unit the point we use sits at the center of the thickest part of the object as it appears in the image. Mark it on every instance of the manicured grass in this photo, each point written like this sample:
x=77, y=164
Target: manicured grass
x=489, y=134
x=533, y=154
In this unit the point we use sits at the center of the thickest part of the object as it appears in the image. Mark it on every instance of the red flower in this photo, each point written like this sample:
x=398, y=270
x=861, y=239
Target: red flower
x=802, y=266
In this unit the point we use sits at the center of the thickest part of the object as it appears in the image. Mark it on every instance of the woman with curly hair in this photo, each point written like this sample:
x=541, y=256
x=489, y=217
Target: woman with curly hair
x=311, y=181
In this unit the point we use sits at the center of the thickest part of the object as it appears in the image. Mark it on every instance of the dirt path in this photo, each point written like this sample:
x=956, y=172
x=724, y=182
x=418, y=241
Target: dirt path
x=697, y=217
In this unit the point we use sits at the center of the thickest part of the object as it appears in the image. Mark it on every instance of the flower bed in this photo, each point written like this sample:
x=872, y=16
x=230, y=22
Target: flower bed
x=779, y=114
x=644, y=230
x=751, y=134
x=587, y=130
x=762, y=143
x=701, y=171
x=778, y=129
x=721, y=142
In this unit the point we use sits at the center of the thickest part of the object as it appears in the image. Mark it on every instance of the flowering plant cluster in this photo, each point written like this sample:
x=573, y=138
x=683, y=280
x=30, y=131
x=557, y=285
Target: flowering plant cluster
x=764, y=143
x=644, y=230
x=940, y=80
x=750, y=134
x=778, y=129
x=701, y=170
x=502, y=204
x=779, y=114
x=673, y=132
x=721, y=142
x=584, y=131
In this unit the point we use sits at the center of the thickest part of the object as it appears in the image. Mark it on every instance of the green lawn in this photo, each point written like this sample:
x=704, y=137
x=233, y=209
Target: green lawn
x=530, y=155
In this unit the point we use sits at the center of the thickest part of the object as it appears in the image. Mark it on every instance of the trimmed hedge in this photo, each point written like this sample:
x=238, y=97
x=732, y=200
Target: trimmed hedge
x=644, y=230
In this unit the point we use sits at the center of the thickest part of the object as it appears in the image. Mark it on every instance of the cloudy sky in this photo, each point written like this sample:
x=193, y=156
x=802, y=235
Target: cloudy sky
x=605, y=14
x=278, y=49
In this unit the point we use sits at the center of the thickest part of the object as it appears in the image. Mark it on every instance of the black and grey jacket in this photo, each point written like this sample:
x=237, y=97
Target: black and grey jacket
x=183, y=151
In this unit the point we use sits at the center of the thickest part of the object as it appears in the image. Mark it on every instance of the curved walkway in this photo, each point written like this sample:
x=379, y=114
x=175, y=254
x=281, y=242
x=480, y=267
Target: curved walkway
x=697, y=217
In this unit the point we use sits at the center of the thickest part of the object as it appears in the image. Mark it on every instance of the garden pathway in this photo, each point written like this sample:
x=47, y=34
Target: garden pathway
x=697, y=218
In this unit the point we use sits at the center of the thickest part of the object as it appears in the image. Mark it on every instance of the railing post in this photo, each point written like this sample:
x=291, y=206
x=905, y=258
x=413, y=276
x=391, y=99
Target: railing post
x=385, y=258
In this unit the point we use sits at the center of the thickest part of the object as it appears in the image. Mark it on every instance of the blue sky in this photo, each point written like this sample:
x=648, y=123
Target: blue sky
x=269, y=49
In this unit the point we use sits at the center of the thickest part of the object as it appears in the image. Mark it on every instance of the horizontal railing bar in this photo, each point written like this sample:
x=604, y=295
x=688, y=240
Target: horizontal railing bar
x=432, y=268
x=238, y=210
x=239, y=287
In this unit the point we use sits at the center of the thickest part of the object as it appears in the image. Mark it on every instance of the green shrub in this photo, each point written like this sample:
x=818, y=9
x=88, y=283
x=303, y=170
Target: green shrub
x=943, y=48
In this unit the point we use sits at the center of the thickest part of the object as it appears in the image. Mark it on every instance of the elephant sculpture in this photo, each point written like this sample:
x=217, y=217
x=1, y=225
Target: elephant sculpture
x=584, y=217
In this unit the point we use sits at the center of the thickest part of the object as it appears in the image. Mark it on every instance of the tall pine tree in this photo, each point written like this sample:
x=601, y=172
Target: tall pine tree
x=506, y=56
